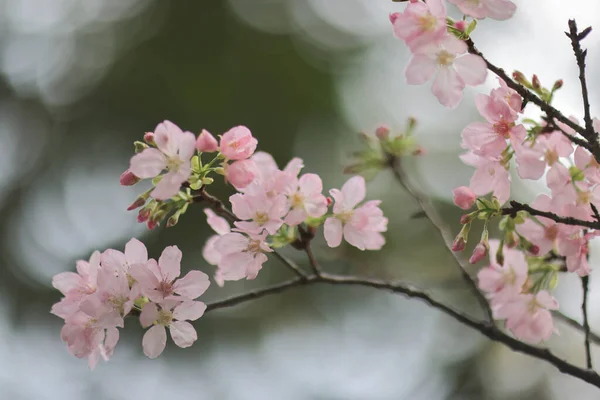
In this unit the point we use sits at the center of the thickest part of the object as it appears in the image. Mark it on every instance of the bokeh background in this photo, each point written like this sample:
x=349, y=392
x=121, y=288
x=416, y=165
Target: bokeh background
x=80, y=80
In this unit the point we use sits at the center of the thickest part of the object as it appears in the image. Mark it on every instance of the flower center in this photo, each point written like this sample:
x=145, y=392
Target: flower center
x=297, y=200
x=174, y=163
x=551, y=232
x=427, y=22
x=444, y=58
x=345, y=216
x=164, y=317
x=509, y=276
x=254, y=246
x=118, y=303
x=583, y=197
x=551, y=156
x=502, y=128
x=261, y=218
x=165, y=288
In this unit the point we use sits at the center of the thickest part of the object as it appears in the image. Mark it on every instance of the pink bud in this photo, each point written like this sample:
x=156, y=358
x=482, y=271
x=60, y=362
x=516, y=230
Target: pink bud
x=128, y=178
x=459, y=244
x=394, y=17
x=206, y=142
x=137, y=203
x=149, y=137
x=329, y=201
x=143, y=215
x=535, y=250
x=478, y=253
x=461, y=25
x=465, y=219
x=464, y=197
x=151, y=224
x=240, y=173
x=382, y=132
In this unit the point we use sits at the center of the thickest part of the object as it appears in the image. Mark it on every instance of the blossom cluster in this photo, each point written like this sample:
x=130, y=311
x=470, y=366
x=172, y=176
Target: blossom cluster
x=114, y=284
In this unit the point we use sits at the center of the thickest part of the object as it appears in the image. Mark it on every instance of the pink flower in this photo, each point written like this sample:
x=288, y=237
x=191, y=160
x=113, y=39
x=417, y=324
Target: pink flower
x=173, y=315
x=86, y=338
x=241, y=256
x=206, y=142
x=502, y=280
x=528, y=316
x=270, y=179
x=263, y=212
x=307, y=200
x=420, y=23
x=454, y=68
x=544, y=233
x=116, y=261
x=238, y=143
x=576, y=249
x=479, y=253
x=240, y=173
x=490, y=176
x=158, y=281
x=76, y=286
x=464, y=197
x=587, y=164
x=362, y=226
x=489, y=139
x=510, y=96
x=546, y=150
x=174, y=152
x=495, y=9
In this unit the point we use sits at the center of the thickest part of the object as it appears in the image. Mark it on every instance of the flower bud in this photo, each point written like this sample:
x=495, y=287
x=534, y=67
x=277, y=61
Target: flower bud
x=520, y=78
x=140, y=201
x=461, y=25
x=458, y=244
x=382, y=132
x=149, y=138
x=144, y=214
x=535, y=82
x=465, y=219
x=464, y=197
x=206, y=142
x=394, y=17
x=241, y=173
x=535, y=250
x=138, y=146
x=557, y=85
x=479, y=253
x=329, y=201
x=128, y=178
x=151, y=224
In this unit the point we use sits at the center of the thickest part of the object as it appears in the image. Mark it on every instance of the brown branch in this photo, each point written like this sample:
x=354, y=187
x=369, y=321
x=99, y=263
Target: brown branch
x=442, y=230
x=486, y=328
x=531, y=97
x=516, y=207
x=580, y=55
x=314, y=264
x=586, y=323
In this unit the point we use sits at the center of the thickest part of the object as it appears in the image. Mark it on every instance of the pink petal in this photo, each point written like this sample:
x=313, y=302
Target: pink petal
x=333, y=232
x=232, y=243
x=110, y=342
x=183, y=333
x=148, y=315
x=218, y=224
x=448, y=87
x=295, y=217
x=135, y=252
x=169, y=263
x=189, y=311
x=240, y=206
x=471, y=68
x=294, y=166
x=500, y=9
x=209, y=252
x=144, y=275
x=148, y=164
x=66, y=281
x=187, y=145
x=113, y=260
x=154, y=341
x=166, y=136
x=354, y=191
x=192, y=285
x=169, y=186
x=310, y=184
x=420, y=69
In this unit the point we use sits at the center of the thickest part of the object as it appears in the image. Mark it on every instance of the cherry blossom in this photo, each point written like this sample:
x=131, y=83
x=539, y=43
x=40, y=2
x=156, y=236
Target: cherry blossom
x=206, y=142
x=241, y=256
x=259, y=211
x=495, y=9
x=174, y=151
x=490, y=176
x=547, y=149
x=503, y=280
x=528, y=316
x=237, y=143
x=240, y=173
x=210, y=252
x=362, y=226
x=158, y=281
x=464, y=197
x=307, y=200
x=420, y=23
x=135, y=253
x=453, y=66
x=174, y=315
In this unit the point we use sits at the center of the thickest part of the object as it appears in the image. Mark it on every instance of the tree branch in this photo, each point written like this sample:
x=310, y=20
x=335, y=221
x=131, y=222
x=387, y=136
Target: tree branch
x=516, y=207
x=586, y=324
x=593, y=337
x=486, y=328
x=529, y=96
x=580, y=54
x=443, y=231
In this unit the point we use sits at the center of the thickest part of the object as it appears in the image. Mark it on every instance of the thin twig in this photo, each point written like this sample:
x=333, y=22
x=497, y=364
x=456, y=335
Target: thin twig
x=290, y=264
x=529, y=96
x=586, y=323
x=314, y=264
x=442, y=230
x=580, y=54
x=515, y=206
x=486, y=328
